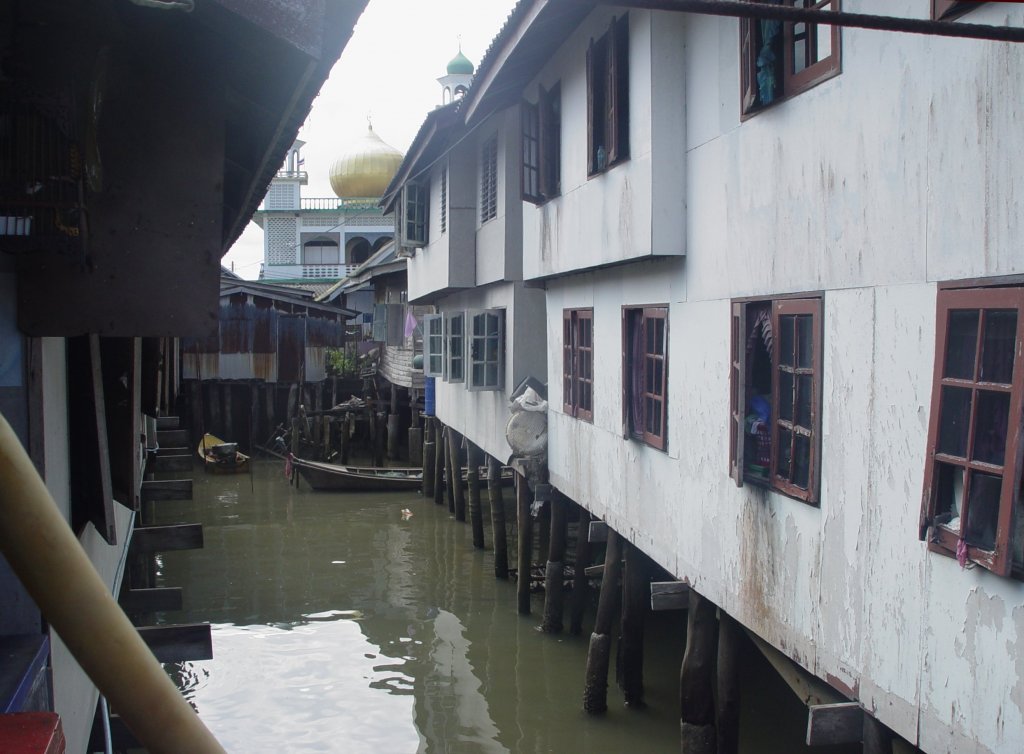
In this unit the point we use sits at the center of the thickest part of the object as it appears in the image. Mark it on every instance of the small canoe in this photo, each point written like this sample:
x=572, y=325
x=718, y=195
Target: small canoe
x=222, y=457
x=336, y=478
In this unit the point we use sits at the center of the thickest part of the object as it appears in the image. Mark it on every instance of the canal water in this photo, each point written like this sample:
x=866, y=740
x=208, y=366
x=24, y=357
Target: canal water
x=368, y=623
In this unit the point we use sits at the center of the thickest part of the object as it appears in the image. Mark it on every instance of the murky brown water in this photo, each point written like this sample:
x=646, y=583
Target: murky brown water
x=340, y=626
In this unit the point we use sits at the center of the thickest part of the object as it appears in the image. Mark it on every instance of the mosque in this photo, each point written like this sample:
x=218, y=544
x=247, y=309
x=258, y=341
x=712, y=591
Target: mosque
x=312, y=243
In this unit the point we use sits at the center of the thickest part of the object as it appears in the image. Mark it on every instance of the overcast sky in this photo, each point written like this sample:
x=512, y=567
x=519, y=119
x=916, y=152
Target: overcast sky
x=388, y=72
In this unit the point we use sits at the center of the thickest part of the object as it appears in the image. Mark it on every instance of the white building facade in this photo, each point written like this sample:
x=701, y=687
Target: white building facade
x=784, y=331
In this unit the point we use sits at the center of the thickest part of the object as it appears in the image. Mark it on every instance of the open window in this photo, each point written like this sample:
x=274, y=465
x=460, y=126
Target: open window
x=542, y=146
x=486, y=349
x=433, y=345
x=415, y=198
x=578, y=363
x=972, y=506
x=608, y=98
x=645, y=374
x=489, y=180
x=775, y=395
x=780, y=59
x=455, y=346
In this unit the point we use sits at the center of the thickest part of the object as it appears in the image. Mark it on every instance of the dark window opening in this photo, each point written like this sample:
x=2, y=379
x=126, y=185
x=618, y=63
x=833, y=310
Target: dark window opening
x=608, y=98
x=578, y=363
x=645, y=378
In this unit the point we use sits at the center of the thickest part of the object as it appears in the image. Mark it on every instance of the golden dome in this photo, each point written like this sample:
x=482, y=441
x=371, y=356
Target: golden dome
x=366, y=168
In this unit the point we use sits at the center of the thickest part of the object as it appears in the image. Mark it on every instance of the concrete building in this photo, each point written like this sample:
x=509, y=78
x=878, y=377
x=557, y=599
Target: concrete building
x=781, y=312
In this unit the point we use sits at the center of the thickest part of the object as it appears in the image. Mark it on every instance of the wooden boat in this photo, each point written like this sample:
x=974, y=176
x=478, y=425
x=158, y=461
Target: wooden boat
x=333, y=477
x=221, y=457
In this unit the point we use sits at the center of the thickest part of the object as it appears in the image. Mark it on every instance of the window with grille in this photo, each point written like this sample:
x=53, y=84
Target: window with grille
x=972, y=506
x=489, y=180
x=486, y=349
x=645, y=374
x=578, y=363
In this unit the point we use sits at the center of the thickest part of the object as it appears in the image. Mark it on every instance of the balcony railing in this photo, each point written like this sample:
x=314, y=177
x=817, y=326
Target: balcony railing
x=302, y=175
x=333, y=204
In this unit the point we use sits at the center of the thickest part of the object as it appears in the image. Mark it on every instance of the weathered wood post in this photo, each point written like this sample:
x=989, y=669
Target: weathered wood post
x=455, y=451
x=636, y=591
x=580, y=582
x=525, y=525
x=380, y=444
x=696, y=679
x=440, y=454
x=393, y=424
x=215, y=406
x=497, y=518
x=428, y=458
x=727, y=713
x=293, y=401
x=415, y=440
x=318, y=403
x=554, y=580
x=196, y=401
x=877, y=738
x=271, y=408
x=346, y=436
x=325, y=433
x=473, y=484
x=449, y=472
x=254, y=415
x=595, y=691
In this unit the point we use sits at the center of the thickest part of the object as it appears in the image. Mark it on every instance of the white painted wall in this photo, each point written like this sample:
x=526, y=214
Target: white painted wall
x=903, y=171
x=634, y=210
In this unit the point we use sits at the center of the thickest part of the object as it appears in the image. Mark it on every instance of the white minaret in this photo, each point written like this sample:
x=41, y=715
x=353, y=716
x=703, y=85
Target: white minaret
x=455, y=82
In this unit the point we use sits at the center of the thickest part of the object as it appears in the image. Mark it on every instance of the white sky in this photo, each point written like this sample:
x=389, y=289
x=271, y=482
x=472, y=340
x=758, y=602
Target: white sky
x=388, y=72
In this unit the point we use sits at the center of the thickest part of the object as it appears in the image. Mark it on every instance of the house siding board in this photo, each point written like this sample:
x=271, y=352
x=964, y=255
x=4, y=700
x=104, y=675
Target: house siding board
x=291, y=335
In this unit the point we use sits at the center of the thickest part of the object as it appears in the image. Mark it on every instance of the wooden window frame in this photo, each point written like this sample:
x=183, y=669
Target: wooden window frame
x=433, y=345
x=941, y=539
x=476, y=349
x=945, y=10
x=455, y=346
x=631, y=413
x=415, y=226
x=550, y=106
x=739, y=377
x=607, y=68
x=577, y=364
x=789, y=84
x=489, y=179
x=530, y=115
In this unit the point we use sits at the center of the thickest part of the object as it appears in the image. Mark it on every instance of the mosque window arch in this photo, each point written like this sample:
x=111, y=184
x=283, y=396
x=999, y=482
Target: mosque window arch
x=321, y=251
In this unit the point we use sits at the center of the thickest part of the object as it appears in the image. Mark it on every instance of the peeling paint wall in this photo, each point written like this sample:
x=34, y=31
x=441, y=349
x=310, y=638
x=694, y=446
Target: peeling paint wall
x=902, y=172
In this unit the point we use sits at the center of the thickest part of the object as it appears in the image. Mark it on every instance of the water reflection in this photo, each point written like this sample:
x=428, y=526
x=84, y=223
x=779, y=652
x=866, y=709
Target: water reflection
x=342, y=623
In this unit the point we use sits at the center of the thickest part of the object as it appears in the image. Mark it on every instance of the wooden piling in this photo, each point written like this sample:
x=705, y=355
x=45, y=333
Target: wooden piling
x=595, y=691
x=271, y=409
x=498, y=532
x=428, y=459
x=580, y=582
x=440, y=454
x=393, y=428
x=415, y=446
x=293, y=401
x=636, y=600
x=196, y=400
x=449, y=473
x=346, y=436
x=727, y=712
x=325, y=435
x=317, y=408
x=214, y=404
x=459, y=490
x=473, y=485
x=381, y=439
x=254, y=415
x=877, y=738
x=554, y=572
x=696, y=679
x=525, y=525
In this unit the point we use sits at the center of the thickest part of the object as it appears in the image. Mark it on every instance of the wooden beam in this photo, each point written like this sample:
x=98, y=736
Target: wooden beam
x=594, y=571
x=829, y=724
x=167, y=422
x=809, y=688
x=151, y=600
x=168, y=463
x=183, y=643
x=148, y=539
x=670, y=595
x=166, y=489
x=173, y=437
x=598, y=531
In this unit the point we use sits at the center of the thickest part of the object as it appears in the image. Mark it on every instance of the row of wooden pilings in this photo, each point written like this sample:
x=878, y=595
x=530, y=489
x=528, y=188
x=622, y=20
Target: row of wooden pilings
x=709, y=671
x=630, y=586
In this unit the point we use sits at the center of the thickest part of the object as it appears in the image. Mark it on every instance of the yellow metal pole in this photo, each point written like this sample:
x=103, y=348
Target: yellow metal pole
x=46, y=556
